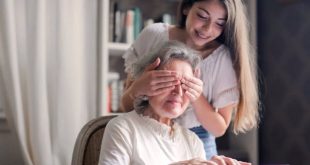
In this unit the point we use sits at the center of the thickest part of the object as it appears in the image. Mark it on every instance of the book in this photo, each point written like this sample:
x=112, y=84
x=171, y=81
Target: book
x=129, y=26
x=114, y=97
x=137, y=22
x=167, y=18
x=148, y=22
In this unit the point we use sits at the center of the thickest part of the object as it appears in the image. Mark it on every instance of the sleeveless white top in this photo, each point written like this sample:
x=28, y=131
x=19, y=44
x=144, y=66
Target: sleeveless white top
x=217, y=72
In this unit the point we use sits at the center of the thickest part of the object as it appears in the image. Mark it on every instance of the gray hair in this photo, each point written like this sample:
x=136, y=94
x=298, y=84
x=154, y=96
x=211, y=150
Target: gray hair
x=168, y=51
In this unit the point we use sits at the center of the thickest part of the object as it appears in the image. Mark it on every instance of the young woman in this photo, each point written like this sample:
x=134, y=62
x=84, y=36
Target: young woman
x=218, y=30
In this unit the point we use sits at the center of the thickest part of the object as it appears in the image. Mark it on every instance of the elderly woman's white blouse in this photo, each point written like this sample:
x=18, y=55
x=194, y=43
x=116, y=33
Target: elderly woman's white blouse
x=217, y=72
x=135, y=139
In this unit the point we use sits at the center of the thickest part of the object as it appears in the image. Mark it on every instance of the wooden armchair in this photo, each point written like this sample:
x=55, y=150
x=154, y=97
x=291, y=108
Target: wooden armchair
x=87, y=146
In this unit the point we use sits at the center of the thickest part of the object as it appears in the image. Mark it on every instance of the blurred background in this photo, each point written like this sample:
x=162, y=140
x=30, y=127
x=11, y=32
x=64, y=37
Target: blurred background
x=61, y=66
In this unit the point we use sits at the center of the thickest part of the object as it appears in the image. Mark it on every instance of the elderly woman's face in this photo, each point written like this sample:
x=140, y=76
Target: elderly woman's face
x=173, y=103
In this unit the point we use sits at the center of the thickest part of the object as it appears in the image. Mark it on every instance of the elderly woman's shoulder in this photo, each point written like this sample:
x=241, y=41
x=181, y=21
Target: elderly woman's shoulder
x=123, y=119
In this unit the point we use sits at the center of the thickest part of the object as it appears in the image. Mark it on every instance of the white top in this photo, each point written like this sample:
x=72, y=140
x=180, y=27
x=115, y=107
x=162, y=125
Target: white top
x=135, y=139
x=217, y=72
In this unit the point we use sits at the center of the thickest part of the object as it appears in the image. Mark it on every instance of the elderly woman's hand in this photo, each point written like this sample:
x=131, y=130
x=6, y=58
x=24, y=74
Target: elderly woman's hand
x=153, y=82
x=192, y=85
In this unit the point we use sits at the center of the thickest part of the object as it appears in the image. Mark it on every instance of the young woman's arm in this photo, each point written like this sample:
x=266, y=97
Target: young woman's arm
x=215, y=122
x=127, y=99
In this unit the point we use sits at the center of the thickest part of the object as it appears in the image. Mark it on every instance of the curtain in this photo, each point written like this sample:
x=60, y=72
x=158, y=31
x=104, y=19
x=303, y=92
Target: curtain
x=48, y=54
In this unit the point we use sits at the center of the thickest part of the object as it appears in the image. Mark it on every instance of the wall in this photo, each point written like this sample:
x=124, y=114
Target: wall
x=284, y=56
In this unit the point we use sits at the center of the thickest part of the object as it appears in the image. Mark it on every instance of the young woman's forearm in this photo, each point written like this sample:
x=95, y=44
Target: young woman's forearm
x=215, y=122
x=127, y=101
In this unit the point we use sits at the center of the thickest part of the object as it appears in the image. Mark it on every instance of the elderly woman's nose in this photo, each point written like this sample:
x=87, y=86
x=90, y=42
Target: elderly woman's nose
x=178, y=90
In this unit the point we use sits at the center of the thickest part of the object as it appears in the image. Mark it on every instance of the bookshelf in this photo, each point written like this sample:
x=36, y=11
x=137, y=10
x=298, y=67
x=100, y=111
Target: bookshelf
x=111, y=49
x=107, y=51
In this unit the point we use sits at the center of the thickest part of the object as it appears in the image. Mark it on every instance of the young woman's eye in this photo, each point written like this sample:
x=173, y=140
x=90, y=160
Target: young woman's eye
x=220, y=25
x=202, y=16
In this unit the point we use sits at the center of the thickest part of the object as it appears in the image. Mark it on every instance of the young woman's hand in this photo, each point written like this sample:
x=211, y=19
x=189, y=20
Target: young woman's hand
x=153, y=82
x=224, y=160
x=192, y=85
x=215, y=160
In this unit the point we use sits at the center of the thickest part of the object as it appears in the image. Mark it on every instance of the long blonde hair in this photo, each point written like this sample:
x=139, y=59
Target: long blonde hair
x=236, y=38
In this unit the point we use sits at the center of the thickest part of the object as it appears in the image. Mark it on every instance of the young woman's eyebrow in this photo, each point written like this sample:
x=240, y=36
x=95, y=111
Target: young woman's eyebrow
x=204, y=10
x=224, y=19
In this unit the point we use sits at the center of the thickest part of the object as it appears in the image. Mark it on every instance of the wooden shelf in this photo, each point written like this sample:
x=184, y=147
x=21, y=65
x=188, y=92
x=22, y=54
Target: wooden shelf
x=117, y=49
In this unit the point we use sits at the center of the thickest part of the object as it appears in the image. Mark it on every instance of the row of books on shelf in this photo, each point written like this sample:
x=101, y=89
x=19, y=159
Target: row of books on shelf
x=125, y=25
x=115, y=89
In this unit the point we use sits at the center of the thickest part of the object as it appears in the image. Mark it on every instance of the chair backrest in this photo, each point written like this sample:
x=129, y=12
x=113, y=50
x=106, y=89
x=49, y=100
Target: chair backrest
x=87, y=146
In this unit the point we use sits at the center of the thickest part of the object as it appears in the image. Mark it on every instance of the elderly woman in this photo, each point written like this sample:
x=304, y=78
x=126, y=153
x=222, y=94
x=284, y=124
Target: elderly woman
x=149, y=135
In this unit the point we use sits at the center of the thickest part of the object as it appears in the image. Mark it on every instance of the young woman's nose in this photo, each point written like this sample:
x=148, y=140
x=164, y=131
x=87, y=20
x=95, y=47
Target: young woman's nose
x=207, y=28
